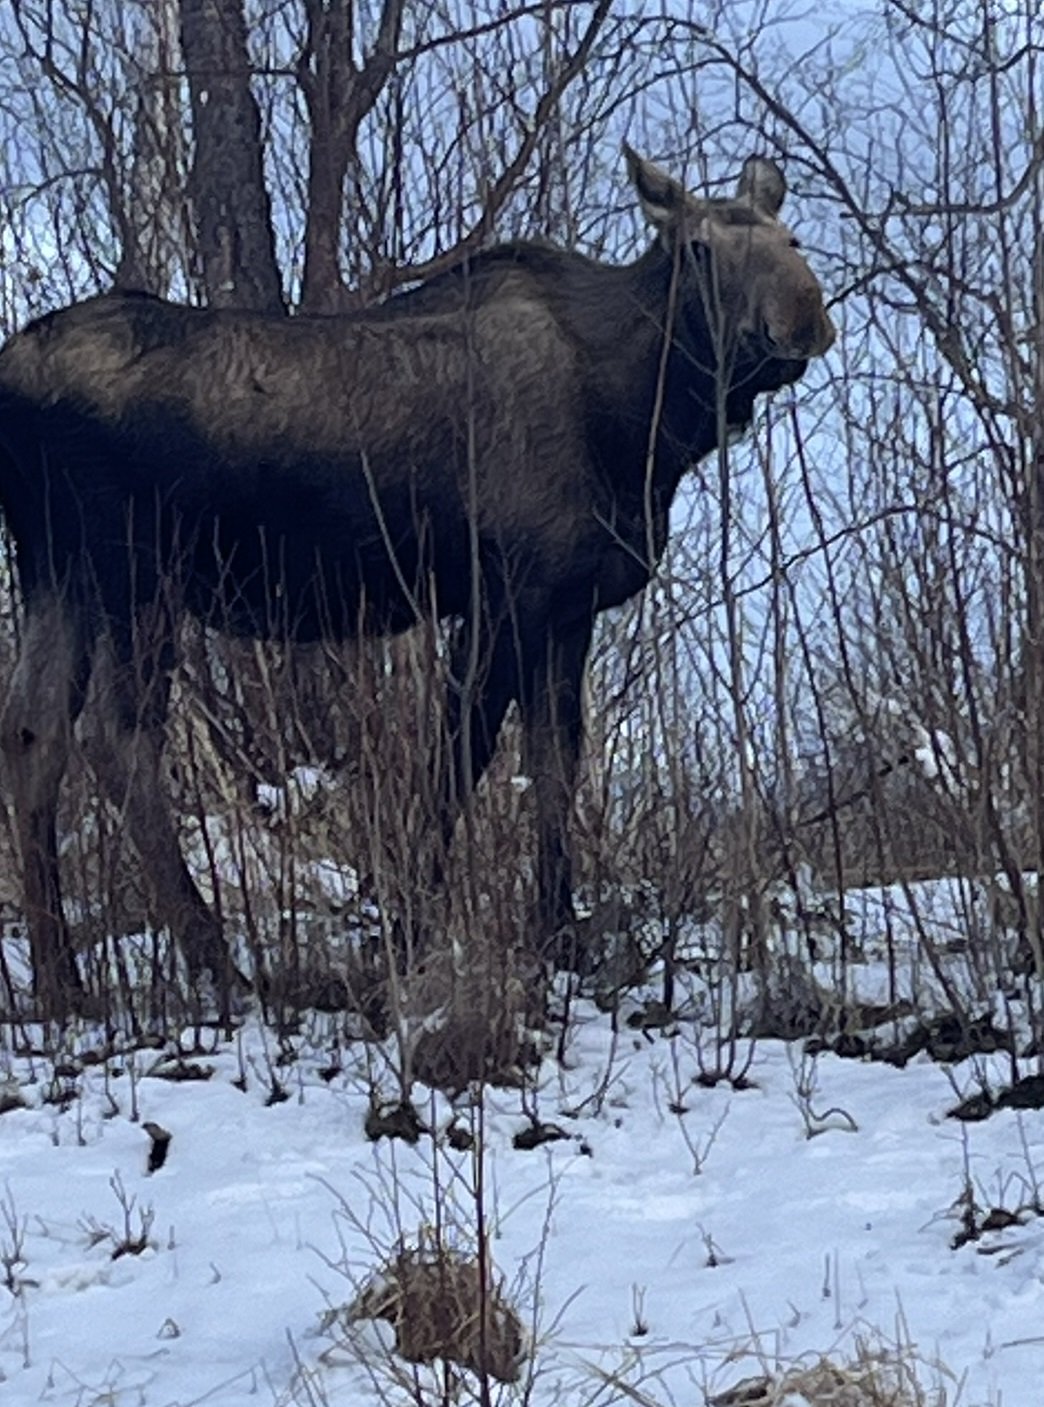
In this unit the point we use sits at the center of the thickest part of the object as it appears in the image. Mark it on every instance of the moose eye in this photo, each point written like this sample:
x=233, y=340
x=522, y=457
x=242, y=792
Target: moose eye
x=794, y=242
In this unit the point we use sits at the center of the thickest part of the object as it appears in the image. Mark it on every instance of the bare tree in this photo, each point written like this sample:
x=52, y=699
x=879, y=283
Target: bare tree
x=156, y=234
x=339, y=93
x=232, y=208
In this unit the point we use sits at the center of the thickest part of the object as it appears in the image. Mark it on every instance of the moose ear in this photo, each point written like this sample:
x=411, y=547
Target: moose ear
x=762, y=185
x=662, y=197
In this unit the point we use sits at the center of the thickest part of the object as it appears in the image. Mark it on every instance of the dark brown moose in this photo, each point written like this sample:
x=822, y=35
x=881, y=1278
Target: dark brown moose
x=500, y=445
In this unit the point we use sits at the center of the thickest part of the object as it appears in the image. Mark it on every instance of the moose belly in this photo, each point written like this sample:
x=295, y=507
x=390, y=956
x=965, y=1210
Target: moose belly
x=317, y=576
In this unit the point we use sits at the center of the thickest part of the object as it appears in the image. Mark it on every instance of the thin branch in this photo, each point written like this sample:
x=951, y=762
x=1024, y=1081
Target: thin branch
x=506, y=183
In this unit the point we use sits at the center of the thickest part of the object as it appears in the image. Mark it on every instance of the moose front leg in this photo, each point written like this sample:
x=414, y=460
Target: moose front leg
x=552, y=716
x=45, y=695
x=483, y=681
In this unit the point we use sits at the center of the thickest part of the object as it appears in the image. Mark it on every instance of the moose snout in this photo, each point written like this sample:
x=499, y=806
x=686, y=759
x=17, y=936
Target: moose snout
x=824, y=336
x=802, y=329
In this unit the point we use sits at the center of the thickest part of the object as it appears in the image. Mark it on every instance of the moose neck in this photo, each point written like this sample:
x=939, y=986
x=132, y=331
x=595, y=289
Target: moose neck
x=642, y=399
x=637, y=399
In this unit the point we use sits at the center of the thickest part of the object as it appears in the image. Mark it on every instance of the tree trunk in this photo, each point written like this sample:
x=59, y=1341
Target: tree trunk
x=231, y=205
x=153, y=208
x=339, y=94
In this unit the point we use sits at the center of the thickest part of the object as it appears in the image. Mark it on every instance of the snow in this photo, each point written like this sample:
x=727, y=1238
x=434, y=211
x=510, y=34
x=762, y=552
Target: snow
x=653, y=1254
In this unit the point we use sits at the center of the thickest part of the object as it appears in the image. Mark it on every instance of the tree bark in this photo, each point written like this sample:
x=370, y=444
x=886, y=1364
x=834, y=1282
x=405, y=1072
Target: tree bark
x=231, y=205
x=339, y=94
x=153, y=215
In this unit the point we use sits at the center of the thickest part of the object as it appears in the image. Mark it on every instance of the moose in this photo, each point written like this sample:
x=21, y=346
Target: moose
x=497, y=448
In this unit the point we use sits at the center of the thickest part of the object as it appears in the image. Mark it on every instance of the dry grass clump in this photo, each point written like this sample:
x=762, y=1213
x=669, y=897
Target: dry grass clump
x=477, y=1015
x=875, y=1377
x=442, y=1306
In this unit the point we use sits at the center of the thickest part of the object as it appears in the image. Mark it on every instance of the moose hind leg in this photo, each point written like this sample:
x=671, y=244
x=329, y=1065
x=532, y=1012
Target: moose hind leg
x=124, y=746
x=45, y=695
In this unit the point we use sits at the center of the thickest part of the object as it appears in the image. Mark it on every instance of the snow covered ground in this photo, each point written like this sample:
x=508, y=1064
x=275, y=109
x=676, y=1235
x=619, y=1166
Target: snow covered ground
x=656, y=1256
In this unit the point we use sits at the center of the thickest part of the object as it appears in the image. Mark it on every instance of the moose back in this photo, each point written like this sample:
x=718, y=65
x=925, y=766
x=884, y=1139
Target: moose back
x=500, y=445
